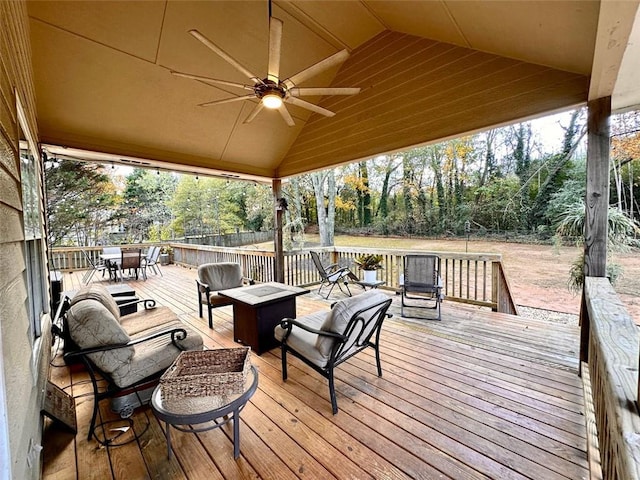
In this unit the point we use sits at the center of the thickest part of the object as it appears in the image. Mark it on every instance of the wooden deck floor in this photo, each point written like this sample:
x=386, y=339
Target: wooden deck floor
x=477, y=395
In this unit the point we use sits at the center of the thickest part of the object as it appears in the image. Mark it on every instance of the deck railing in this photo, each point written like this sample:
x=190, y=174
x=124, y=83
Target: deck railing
x=473, y=278
x=73, y=258
x=609, y=345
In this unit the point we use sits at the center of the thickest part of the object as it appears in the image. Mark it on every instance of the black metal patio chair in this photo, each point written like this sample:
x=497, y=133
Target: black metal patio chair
x=422, y=281
x=95, y=267
x=324, y=340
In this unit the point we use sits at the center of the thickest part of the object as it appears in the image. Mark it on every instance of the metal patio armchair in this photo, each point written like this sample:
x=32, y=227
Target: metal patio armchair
x=323, y=340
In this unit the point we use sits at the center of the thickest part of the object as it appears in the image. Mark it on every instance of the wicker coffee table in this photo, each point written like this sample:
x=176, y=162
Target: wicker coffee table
x=206, y=412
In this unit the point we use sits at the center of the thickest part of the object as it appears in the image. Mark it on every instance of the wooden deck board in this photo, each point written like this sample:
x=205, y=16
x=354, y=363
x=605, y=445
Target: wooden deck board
x=477, y=395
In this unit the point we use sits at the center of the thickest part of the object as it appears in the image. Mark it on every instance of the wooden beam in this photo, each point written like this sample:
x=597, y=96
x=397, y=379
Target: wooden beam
x=277, y=232
x=597, y=197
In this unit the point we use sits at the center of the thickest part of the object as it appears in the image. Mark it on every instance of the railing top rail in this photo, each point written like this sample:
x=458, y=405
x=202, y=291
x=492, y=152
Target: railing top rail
x=489, y=257
x=615, y=336
x=126, y=246
x=213, y=248
x=472, y=256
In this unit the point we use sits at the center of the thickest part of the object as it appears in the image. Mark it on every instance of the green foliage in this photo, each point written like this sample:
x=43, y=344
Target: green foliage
x=212, y=206
x=571, y=192
x=369, y=261
x=144, y=211
x=621, y=230
x=80, y=202
x=620, y=227
x=576, y=274
x=498, y=205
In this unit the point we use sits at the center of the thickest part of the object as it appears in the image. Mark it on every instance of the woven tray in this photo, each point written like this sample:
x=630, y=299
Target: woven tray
x=206, y=373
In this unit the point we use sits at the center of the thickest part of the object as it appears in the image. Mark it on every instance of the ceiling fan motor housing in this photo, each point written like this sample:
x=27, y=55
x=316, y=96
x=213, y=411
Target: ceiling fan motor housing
x=269, y=87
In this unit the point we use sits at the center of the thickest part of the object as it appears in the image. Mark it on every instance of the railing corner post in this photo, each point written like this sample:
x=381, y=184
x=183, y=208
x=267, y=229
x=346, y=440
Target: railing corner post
x=495, y=282
x=585, y=330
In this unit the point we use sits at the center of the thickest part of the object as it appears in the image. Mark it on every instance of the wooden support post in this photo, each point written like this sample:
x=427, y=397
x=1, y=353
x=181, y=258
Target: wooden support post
x=277, y=233
x=597, y=198
x=597, y=203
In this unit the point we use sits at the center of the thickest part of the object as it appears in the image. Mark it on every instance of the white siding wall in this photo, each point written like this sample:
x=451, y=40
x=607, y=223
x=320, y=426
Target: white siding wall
x=21, y=361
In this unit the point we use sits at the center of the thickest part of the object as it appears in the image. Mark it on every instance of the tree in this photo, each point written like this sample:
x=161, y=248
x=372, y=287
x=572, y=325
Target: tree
x=258, y=204
x=80, y=202
x=294, y=220
x=557, y=166
x=391, y=164
x=625, y=162
x=324, y=187
x=145, y=211
x=364, y=196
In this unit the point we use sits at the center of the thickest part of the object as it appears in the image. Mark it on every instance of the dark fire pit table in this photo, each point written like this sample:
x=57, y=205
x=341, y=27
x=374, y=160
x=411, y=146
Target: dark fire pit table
x=258, y=309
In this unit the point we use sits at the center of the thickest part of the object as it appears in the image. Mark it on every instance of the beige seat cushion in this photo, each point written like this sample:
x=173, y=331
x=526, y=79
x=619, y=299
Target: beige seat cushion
x=99, y=293
x=305, y=342
x=155, y=355
x=91, y=324
x=220, y=276
x=143, y=320
x=339, y=317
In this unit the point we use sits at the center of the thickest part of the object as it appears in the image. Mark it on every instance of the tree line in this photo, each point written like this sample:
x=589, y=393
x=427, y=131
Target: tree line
x=502, y=181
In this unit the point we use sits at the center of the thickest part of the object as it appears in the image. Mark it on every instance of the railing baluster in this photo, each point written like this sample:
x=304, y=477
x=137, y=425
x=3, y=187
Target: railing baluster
x=299, y=269
x=468, y=272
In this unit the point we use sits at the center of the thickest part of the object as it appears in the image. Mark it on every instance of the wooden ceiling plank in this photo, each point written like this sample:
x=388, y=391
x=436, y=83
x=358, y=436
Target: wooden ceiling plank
x=388, y=44
x=418, y=77
x=407, y=115
x=427, y=88
x=474, y=119
x=398, y=121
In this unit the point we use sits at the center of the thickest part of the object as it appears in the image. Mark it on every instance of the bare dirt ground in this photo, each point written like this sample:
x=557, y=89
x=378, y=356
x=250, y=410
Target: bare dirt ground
x=538, y=274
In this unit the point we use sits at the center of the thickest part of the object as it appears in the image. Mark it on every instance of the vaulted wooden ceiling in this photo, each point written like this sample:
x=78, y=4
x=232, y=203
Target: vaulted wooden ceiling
x=428, y=70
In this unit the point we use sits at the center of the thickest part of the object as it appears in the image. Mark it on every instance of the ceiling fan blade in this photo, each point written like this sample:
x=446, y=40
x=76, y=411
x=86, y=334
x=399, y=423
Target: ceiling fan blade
x=257, y=109
x=211, y=80
x=275, y=40
x=301, y=92
x=226, y=100
x=315, y=69
x=309, y=106
x=286, y=115
x=224, y=55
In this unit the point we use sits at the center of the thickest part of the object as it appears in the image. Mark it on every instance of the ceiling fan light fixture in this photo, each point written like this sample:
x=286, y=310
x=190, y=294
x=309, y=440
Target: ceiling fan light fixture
x=272, y=100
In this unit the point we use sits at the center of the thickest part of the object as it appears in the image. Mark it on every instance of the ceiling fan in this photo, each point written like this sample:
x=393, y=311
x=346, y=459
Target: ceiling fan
x=272, y=92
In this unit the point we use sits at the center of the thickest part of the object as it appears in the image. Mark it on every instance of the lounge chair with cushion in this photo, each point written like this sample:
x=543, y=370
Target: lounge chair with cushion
x=130, y=353
x=213, y=277
x=324, y=340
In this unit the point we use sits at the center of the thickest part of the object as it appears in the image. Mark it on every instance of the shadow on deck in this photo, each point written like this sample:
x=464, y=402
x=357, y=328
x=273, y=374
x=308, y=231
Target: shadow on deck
x=477, y=395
